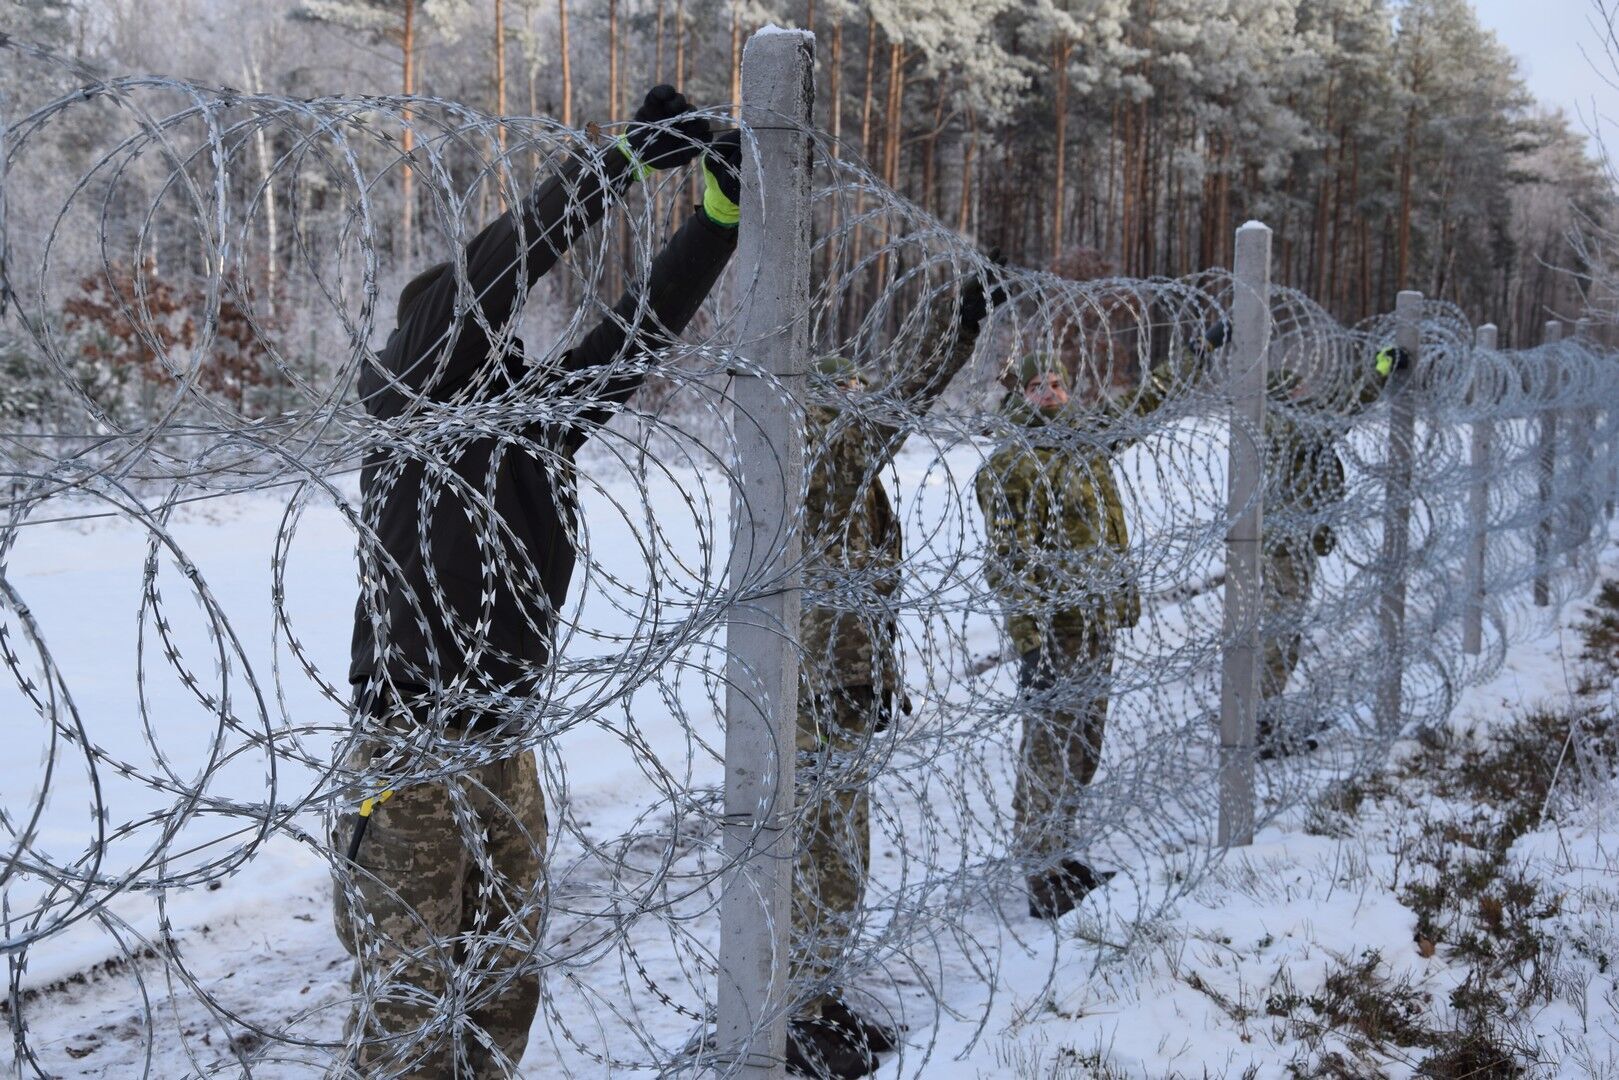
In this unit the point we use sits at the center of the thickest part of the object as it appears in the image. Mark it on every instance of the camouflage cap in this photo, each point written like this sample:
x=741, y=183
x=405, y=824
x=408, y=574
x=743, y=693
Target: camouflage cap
x=840, y=369
x=834, y=366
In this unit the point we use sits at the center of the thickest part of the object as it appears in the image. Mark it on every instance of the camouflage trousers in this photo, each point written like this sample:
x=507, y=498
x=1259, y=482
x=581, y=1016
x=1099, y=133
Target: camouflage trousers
x=1288, y=576
x=829, y=884
x=442, y=915
x=1064, y=690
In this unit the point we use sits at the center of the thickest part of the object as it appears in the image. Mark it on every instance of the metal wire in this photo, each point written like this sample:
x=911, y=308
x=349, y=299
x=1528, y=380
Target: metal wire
x=177, y=350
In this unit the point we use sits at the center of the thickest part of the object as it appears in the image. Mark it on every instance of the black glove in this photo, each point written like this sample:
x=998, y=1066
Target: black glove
x=663, y=135
x=885, y=708
x=1207, y=343
x=975, y=303
x=1322, y=540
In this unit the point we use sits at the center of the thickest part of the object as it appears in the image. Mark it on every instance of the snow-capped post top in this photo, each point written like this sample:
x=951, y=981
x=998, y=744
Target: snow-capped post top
x=772, y=29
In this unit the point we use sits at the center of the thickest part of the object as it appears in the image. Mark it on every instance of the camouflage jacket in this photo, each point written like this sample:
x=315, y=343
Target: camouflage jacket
x=852, y=537
x=1304, y=476
x=1058, y=545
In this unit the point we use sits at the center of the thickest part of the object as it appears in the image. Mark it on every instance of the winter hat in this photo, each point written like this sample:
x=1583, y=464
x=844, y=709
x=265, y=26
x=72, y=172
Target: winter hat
x=1036, y=364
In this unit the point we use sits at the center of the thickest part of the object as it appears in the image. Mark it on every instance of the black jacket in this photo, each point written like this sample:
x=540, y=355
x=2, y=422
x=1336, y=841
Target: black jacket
x=474, y=510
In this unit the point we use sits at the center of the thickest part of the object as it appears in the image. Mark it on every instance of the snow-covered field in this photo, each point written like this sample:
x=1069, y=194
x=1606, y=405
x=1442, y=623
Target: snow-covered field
x=258, y=944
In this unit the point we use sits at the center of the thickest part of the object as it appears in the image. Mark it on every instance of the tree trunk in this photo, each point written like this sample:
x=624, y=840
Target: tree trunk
x=736, y=58
x=1111, y=210
x=1318, y=241
x=891, y=115
x=1127, y=194
x=680, y=43
x=500, y=97
x=1334, y=257
x=533, y=90
x=930, y=162
x=970, y=149
x=1403, y=264
x=1149, y=192
x=891, y=140
x=658, y=67
x=408, y=47
x=500, y=71
x=567, y=67
x=835, y=77
x=856, y=245
x=254, y=79
x=613, y=110
x=865, y=104
x=1060, y=53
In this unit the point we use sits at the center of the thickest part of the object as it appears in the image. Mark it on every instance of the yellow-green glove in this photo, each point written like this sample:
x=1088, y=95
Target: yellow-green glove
x=722, y=178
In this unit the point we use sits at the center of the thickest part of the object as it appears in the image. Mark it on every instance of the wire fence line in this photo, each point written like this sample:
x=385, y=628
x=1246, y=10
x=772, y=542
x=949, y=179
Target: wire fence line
x=994, y=568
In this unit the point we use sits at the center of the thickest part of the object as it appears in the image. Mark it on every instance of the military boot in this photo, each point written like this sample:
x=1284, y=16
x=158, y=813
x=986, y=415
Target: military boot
x=819, y=1048
x=878, y=1038
x=1055, y=892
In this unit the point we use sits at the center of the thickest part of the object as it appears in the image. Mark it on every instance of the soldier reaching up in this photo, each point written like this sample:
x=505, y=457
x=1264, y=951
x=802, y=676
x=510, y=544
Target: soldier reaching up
x=851, y=678
x=471, y=547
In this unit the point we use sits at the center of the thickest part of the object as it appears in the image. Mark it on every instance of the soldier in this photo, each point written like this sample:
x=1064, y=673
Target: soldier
x=1059, y=561
x=851, y=678
x=441, y=897
x=1304, y=480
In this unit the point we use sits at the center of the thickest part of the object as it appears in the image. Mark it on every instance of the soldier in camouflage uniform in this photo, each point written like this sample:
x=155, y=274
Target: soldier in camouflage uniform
x=441, y=893
x=1304, y=480
x=1058, y=560
x=465, y=907
x=851, y=679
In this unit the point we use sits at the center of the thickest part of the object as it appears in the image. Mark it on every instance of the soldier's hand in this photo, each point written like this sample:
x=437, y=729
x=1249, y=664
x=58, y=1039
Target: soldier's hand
x=664, y=134
x=1209, y=340
x=1322, y=540
x=1392, y=358
x=985, y=291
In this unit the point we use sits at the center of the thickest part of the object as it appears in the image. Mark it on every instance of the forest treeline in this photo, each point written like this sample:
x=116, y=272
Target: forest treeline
x=1390, y=144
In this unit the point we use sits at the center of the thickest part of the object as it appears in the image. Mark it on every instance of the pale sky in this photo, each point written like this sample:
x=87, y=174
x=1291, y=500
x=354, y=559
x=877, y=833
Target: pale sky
x=1546, y=36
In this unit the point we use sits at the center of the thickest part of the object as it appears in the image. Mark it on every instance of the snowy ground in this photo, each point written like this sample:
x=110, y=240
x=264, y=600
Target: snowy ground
x=1190, y=998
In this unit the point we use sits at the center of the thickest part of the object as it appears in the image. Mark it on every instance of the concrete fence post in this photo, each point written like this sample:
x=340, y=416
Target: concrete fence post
x=761, y=704
x=1397, y=513
x=1478, y=506
x=1245, y=509
x=1546, y=472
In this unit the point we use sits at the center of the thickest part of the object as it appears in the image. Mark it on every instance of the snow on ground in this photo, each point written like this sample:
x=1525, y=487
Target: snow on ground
x=259, y=942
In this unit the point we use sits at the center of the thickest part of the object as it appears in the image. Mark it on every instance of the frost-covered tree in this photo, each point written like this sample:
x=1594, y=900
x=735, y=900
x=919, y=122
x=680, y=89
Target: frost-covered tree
x=1390, y=142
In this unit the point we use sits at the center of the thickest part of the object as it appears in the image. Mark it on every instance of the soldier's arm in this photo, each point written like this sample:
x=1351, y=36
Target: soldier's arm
x=1187, y=366
x=1000, y=523
x=609, y=364
x=438, y=347
x=948, y=342
x=1188, y=363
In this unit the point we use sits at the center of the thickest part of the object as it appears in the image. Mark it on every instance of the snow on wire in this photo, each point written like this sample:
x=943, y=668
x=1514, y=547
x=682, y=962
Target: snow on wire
x=196, y=282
